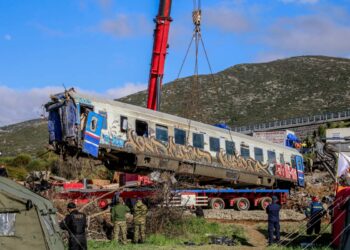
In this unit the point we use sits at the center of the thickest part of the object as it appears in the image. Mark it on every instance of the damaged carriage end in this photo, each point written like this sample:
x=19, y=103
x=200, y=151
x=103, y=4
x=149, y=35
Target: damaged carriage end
x=63, y=125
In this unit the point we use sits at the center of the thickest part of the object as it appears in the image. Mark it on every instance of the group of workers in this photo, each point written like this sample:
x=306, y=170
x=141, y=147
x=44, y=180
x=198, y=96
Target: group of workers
x=75, y=223
x=314, y=212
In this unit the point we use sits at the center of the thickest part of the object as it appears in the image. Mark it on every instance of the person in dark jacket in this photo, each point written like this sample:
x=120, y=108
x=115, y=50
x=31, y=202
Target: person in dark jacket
x=273, y=211
x=315, y=213
x=75, y=224
x=3, y=171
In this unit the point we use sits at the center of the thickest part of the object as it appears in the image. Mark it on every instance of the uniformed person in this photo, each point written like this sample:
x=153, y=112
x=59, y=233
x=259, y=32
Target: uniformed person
x=75, y=224
x=273, y=211
x=3, y=171
x=140, y=213
x=118, y=217
x=315, y=214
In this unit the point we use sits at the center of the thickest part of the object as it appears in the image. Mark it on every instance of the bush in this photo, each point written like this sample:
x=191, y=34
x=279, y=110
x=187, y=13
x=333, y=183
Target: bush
x=37, y=165
x=18, y=173
x=21, y=160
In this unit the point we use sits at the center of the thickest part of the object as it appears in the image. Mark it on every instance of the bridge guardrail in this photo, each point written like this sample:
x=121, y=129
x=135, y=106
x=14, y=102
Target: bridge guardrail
x=294, y=122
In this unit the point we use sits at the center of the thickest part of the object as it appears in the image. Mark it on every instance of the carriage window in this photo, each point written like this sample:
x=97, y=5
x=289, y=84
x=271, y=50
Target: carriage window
x=292, y=159
x=230, y=147
x=93, y=124
x=180, y=136
x=245, y=152
x=258, y=154
x=214, y=144
x=198, y=140
x=162, y=133
x=282, y=158
x=104, y=123
x=141, y=128
x=271, y=156
x=123, y=124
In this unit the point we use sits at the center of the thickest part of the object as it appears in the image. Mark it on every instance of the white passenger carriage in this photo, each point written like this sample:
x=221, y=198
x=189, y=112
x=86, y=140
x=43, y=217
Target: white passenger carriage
x=128, y=137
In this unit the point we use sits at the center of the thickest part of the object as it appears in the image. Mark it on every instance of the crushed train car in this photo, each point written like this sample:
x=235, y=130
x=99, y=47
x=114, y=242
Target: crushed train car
x=133, y=139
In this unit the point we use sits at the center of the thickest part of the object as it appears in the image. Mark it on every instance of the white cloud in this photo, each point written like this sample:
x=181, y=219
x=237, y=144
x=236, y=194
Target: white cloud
x=19, y=106
x=8, y=37
x=312, y=34
x=226, y=19
x=125, y=25
x=22, y=105
x=127, y=89
x=268, y=56
x=300, y=1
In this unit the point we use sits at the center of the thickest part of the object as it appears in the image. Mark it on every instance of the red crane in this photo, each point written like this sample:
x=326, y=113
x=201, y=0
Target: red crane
x=160, y=46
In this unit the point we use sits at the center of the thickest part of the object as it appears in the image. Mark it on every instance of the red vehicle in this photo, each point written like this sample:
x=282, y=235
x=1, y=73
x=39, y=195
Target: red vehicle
x=239, y=199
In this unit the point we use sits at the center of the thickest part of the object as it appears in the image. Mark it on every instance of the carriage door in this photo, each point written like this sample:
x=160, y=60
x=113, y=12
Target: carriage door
x=92, y=133
x=300, y=170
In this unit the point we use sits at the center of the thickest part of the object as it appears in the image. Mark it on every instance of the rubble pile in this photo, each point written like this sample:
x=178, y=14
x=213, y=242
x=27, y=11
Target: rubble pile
x=317, y=183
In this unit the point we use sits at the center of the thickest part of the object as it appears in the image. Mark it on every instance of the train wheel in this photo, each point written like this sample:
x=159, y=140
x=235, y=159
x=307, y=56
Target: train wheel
x=217, y=203
x=242, y=204
x=264, y=202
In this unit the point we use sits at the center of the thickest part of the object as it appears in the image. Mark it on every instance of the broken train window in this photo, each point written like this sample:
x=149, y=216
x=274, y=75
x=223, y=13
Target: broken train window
x=161, y=133
x=141, y=128
x=7, y=224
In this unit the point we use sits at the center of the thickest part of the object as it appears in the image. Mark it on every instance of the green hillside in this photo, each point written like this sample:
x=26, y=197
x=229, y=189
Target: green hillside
x=250, y=93
x=240, y=95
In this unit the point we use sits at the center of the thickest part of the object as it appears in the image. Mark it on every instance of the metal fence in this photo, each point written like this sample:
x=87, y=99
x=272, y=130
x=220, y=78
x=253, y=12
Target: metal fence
x=295, y=122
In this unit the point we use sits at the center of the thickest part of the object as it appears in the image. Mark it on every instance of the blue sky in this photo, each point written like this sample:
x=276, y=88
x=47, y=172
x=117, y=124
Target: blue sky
x=104, y=46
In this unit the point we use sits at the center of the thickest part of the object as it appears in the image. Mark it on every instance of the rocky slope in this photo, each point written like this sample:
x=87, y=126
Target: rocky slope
x=250, y=93
x=239, y=95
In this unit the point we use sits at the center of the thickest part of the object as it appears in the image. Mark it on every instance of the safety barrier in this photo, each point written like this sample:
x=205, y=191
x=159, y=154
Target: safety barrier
x=294, y=122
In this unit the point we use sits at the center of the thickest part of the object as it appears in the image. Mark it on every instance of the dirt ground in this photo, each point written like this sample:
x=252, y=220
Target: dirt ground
x=256, y=235
x=255, y=238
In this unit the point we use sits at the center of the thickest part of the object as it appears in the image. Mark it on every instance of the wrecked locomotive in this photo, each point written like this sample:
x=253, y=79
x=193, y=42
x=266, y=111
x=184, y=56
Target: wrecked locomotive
x=133, y=139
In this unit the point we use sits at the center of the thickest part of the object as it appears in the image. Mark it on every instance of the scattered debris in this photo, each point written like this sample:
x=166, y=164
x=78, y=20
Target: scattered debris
x=223, y=240
x=253, y=215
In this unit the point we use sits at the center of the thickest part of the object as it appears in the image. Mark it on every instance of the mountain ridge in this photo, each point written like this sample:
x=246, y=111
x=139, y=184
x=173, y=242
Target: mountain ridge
x=239, y=95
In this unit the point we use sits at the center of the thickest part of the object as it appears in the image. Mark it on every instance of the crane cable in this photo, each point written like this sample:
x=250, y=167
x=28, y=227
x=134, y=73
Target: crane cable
x=197, y=37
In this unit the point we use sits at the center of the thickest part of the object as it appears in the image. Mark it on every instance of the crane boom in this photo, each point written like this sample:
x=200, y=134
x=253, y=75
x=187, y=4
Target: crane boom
x=160, y=45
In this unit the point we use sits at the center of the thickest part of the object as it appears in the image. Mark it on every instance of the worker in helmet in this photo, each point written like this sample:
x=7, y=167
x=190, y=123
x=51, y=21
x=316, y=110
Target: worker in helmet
x=273, y=211
x=75, y=223
x=140, y=213
x=315, y=214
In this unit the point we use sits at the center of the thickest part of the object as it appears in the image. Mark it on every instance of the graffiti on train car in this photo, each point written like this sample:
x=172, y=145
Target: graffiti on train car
x=238, y=162
x=151, y=145
x=286, y=171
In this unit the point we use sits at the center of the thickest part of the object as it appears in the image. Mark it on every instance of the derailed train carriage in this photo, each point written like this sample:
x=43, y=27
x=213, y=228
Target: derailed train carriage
x=133, y=139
